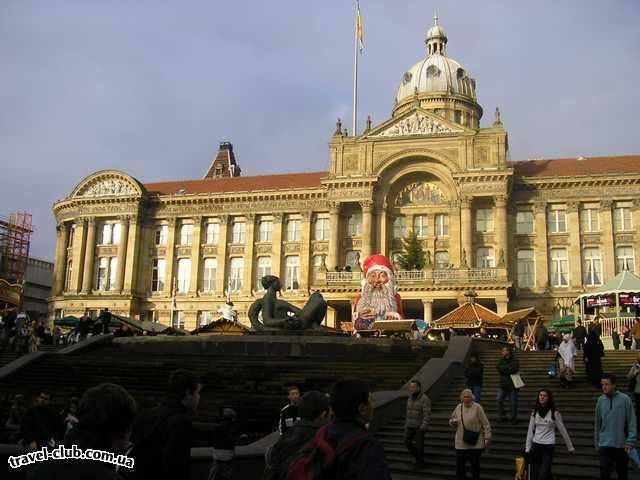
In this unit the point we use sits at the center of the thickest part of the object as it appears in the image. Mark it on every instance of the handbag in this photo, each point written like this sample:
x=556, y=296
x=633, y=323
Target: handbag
x=468, y=436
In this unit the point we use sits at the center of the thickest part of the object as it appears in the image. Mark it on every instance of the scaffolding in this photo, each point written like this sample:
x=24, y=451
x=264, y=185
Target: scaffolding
x=15, y=238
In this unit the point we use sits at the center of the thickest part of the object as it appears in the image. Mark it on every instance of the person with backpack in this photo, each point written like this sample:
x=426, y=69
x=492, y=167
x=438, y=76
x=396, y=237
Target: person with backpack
x=417, y=421
x=541, y=436
x=315, y=412
x=473, y=434
x=344, y=450
x=162, y=436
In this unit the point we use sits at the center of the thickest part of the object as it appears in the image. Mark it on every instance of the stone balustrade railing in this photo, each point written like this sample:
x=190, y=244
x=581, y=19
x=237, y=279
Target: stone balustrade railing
x=429, y=275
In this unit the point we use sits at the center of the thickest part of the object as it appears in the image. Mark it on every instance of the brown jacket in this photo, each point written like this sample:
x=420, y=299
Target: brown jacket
x=635, y=330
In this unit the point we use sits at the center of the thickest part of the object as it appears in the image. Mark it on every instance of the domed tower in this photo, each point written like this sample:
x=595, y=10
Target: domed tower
x=440, y=84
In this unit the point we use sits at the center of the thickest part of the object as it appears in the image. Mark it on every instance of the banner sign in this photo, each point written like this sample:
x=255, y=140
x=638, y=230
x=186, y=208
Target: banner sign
x=630, y=299
x=603, y=301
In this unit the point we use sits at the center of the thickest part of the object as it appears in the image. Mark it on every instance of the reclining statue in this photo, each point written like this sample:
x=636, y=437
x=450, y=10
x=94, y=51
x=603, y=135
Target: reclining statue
x=280, y=315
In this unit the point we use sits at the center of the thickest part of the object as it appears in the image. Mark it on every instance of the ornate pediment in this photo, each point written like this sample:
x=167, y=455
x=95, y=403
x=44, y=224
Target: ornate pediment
x=417, y=124
x=109, y=183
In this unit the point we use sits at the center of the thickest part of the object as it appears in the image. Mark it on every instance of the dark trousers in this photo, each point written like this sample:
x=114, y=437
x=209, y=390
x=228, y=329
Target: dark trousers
x=542, y=458
x=613, y=456
x=579, y=343
x=477, y=393
x=417, y=449
x=473, y=456
x=513, y=397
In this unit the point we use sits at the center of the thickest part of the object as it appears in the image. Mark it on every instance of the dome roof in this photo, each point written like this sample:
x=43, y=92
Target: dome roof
x=437, y=72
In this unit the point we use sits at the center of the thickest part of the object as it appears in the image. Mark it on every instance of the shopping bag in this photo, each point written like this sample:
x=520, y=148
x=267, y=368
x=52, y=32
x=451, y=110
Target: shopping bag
x=517, y=381
x=553, y=370
x=521, y=469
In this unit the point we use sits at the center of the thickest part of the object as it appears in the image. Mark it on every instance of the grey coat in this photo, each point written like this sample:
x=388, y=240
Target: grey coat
x=418, y=412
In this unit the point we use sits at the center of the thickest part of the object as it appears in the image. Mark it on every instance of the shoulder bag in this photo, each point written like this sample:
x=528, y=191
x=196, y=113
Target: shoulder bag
x=468, y=436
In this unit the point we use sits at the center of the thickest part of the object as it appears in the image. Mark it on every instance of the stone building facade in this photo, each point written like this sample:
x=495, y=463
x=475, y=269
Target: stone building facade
x=519, y=233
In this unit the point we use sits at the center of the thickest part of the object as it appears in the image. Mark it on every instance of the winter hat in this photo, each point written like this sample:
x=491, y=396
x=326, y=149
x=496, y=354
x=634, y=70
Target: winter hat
x=375, y=263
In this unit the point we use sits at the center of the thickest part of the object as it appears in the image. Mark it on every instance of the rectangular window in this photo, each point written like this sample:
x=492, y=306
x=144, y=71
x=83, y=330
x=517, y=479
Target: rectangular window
x=292, y=267
x=162, y=234
x=157, y=274
x=591, y=266
x=265, y=231
x=484, y=220
x=236, y=274
x=559, y=268
x=213, y=233
x=351, y=258
x=322, y=229
x=485, y=258
x=399, y=227
x=622, y=219
x=354, y=225
x=178, y=319
x=184, y=275
x=263, y=267
x=317, y=262
x=294, y=230
x=239, y=232
x=589, y=219
x=186, y=234
x=116, y=233
x=69, y=272
x=102, y=272
x=420, y=225
x=107, y=229
x=524, y=222
x=205, y=318
x=625, y=259
x=209, y=274
x=557, y=219
x=526, y=269
x=442, y=225
x=442, y=259
x=72, y=232
x=113, y=271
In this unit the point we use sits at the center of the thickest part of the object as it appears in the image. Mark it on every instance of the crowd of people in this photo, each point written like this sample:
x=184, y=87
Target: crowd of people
x=22, y=334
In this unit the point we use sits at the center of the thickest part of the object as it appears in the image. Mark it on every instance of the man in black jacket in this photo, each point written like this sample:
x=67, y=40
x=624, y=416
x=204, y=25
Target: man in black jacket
x=474, y=375
x=105, y=415
x=289, y=413
x=579, y=334
x=162, y=435
x=315, y=411
x=41, y=424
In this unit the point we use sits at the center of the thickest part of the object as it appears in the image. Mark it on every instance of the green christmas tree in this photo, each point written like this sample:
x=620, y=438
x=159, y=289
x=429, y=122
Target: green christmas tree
x=413, y=255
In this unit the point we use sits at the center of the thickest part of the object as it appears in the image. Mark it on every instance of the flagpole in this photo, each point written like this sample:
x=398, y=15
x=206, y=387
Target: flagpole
x=355, y=76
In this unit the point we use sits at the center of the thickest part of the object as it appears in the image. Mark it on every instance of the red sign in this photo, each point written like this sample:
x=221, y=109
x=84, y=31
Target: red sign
x=605, y=301
x=630, y=299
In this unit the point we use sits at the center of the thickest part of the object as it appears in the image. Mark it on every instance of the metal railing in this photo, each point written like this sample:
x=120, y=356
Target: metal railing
x=438, y=274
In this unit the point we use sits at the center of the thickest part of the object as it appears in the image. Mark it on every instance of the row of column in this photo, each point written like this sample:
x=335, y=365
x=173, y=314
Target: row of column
x=83, y=250
x=460, y=227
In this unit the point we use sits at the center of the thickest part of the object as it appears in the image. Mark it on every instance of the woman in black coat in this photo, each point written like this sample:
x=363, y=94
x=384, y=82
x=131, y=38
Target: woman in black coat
x=593, y=353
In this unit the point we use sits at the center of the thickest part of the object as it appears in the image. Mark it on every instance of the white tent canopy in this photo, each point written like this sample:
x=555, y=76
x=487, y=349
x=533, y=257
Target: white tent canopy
x=624, y=282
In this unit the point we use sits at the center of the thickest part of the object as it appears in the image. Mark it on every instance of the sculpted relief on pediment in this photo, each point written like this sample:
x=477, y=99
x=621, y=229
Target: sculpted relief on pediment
x=107, y=187
x=416, y=124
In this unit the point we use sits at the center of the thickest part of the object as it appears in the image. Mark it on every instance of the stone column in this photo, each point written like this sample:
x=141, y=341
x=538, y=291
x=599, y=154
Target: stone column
x=575, y=254
x=541, y=248
x=221, y=272
x=276, y=246
x=383, y=235
x=135, y=245
x=500, y=230
x=427, y=305
x=455, y=245
x=79, y=246
x=62, y=233
x=305, y=273
x=466, y=254
x=170, y=255
x=607, y=240
x=247, y=281
x=87, y=277
x=502, y=306
x=367, y=228
x=194, y=282
x=122, y=252
x=334, y=239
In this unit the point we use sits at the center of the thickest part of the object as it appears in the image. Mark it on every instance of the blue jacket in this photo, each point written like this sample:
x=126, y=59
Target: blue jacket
x=615, y=424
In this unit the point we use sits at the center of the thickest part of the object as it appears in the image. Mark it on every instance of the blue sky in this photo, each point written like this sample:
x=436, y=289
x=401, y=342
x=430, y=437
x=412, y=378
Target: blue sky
x=151, y=87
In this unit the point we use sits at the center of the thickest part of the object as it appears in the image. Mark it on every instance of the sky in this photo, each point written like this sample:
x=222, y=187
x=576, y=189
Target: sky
x=151, y=87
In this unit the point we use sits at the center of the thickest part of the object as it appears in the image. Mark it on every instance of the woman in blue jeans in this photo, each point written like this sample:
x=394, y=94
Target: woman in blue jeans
x=541, y=437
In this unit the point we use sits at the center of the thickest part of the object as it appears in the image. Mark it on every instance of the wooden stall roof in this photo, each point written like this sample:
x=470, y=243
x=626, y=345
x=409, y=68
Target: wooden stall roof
x=469, y=315
x=529, y=314
x=395, y=325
